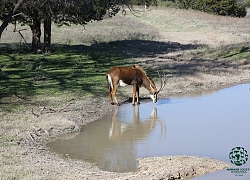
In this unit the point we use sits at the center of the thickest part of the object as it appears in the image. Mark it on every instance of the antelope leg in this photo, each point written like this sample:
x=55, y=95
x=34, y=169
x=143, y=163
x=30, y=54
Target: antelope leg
x=137, y=95
x=113, y=94
x=133, y=95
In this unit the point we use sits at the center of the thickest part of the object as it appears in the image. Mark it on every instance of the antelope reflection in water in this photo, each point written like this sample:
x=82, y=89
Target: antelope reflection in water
x=122, y=156
x=120, y=130
x=110, y=142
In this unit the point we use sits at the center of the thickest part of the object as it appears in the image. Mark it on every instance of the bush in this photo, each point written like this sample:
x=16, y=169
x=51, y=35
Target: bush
x=248, y=3
x=142, y=2
x=218, y=7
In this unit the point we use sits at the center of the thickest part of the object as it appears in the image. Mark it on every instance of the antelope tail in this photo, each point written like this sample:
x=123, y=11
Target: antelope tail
x=109, y=82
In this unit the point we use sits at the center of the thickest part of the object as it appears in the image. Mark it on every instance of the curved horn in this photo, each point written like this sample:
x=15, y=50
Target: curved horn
x=163, y=81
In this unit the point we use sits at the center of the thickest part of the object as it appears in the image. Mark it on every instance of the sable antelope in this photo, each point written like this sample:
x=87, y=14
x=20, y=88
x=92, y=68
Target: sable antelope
x=135, y=76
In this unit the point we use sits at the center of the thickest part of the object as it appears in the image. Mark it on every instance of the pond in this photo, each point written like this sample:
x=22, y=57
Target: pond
x=206, y=125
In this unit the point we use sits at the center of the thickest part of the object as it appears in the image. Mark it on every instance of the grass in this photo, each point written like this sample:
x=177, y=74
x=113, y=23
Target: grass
x=208, y=29
x=82, y=56
x=231, y=53
x=72, y=69
x=68, y=70
x=78, y=65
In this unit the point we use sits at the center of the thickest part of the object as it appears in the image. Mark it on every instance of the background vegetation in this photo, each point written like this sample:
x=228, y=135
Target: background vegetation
x=34, y=13
x=235, y=8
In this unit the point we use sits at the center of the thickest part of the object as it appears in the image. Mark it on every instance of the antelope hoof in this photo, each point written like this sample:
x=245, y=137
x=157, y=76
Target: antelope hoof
x=118, y=104
x=112, y=103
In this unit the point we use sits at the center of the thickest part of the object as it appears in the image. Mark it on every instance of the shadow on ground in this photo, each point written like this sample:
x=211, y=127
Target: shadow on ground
x=78, y=68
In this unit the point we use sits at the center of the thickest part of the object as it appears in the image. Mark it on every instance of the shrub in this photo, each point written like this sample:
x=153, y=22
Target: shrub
x=218, y=7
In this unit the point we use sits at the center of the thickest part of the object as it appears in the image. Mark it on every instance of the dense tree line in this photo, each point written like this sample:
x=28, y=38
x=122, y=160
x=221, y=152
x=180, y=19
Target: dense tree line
x=236, y=8
x=218, y=7
x=34, y=13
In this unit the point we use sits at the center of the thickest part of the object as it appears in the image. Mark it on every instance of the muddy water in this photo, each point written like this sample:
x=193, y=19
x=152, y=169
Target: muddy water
x=208, y=124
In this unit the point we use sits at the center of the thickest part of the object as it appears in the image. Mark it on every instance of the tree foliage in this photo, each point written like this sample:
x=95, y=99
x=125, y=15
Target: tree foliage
x=236, y=8
x=9, y=15
x=61, y=11
x=218, y=7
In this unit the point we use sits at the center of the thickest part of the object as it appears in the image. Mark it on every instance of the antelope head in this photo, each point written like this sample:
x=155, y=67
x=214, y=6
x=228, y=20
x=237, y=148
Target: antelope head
x=154, y=91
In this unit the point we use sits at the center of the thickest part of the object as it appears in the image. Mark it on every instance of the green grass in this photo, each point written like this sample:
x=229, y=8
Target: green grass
x=78, y=70
x=237, y=52
x=77, y=66
x=231, y=53
x=82, y=56
x=70, y=69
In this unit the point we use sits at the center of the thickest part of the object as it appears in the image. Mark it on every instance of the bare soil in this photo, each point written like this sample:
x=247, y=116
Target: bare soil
x=33, y=160
x=29, y=158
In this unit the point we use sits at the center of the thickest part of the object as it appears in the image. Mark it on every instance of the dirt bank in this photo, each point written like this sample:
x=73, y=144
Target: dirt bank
x=35, y=161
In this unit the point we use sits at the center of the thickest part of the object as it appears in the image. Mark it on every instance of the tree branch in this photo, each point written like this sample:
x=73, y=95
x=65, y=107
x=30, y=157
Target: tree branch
x=9, y=17
x=51, y=110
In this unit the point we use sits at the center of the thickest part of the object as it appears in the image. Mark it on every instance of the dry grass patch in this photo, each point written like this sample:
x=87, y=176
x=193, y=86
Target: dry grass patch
x=117, y=28
x=189, y=26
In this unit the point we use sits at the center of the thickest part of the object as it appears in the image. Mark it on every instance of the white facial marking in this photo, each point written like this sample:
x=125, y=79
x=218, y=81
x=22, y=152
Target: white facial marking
x=151, y=86
x=154, y=98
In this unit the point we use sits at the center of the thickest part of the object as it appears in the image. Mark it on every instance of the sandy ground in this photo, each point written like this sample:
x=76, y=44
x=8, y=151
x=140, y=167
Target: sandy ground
x=29, y=158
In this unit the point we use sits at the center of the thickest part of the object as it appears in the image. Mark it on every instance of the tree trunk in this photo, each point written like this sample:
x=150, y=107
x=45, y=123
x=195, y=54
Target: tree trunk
x=9, y=17
x=36, y=36
x=47, y=35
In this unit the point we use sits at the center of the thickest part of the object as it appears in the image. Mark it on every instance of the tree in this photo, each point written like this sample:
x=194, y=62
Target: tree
x=8, y=18
x=33, y=13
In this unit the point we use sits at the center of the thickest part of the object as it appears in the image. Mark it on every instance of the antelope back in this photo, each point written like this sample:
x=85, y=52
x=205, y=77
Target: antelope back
x=125, y=75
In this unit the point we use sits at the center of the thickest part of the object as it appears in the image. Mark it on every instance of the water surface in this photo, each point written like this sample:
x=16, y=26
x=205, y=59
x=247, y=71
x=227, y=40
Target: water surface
x=208, y=125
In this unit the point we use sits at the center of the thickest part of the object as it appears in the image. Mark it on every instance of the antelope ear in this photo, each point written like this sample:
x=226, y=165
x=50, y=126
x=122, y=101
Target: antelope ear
x=151, y=86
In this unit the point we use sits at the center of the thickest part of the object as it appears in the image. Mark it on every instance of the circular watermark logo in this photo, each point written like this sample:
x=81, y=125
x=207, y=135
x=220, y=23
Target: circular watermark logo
x=238, y=156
